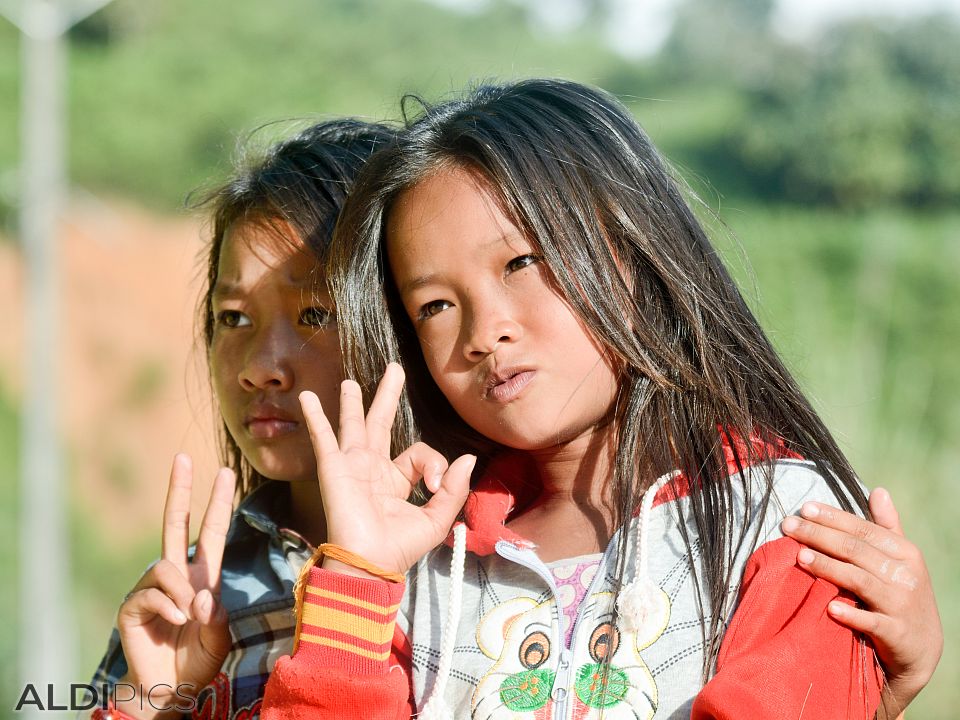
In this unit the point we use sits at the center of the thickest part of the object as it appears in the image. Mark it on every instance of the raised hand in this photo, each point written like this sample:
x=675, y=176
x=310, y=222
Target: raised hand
x=172, y=626
x=888, y=573
x=365, y=492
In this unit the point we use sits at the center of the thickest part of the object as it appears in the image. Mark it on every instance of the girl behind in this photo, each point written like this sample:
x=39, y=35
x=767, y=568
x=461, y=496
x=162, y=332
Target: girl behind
x=528, y=208
x=206, y=639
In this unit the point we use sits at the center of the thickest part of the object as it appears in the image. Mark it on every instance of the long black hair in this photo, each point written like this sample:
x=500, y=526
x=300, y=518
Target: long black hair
x=573, y=170
x=301, y=183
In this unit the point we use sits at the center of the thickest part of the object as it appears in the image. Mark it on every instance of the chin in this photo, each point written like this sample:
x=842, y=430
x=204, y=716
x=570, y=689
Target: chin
x=283, y=472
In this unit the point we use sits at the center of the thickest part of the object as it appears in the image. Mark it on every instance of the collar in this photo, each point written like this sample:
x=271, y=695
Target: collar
x=506, y=490
x=264, y=510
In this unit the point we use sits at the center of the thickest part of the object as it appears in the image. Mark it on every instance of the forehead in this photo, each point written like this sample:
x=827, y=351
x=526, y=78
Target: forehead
x=450, y=211
x=254, y=251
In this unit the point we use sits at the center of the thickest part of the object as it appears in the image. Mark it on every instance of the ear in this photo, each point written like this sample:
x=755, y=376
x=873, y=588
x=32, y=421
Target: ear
x=492, y=630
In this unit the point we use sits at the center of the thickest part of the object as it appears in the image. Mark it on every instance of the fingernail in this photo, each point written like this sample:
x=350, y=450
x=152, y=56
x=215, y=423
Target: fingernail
x=790, y=524
x=179, y=616
x=836, y=607
x=805, y=556
x=810, y=510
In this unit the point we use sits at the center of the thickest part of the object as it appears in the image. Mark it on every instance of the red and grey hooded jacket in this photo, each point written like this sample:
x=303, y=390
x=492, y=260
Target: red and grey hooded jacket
x=476, y=631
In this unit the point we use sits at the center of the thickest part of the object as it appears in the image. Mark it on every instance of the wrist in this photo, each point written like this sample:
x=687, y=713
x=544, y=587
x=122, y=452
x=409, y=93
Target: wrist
x=347, y=558
x=344, y=569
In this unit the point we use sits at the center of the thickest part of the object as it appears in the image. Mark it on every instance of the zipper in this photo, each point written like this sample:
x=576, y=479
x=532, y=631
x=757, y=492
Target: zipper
x=528, y=558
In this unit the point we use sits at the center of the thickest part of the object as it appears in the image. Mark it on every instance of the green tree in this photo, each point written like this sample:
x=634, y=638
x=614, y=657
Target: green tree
x=869, y=116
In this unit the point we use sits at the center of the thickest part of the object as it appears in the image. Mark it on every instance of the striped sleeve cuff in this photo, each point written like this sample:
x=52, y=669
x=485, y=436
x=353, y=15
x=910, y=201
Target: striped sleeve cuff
x=348, y=621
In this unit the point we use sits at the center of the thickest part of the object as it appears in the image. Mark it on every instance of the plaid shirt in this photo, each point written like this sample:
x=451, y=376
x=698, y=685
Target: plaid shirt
x=260, y=564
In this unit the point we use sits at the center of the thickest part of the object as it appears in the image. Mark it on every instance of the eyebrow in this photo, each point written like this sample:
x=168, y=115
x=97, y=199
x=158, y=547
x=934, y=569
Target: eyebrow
x=418, y=282
x=507, y=239
x=228, y=289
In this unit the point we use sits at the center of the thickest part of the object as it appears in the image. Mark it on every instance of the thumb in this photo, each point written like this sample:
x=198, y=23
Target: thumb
x=214, y=628
x=884, y=512
x=449, y=498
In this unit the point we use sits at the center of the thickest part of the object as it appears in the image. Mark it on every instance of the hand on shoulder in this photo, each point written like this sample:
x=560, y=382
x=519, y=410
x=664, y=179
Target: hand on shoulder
x=888, y=573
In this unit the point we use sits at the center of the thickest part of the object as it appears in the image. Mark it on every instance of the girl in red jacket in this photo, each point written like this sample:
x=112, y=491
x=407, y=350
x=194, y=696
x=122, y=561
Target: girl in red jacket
x=569, y=330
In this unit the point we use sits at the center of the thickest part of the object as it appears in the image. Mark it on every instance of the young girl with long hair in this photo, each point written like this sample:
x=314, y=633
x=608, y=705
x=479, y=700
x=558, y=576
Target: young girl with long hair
x=571, y=337
x=200, y=631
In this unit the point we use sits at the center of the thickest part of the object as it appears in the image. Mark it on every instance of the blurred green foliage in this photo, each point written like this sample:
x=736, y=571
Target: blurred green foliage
x=863, y=116
x=834, y=164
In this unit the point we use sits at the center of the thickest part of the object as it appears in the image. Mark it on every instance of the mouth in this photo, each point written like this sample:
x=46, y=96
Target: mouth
x=507, y=384
x=269, y=422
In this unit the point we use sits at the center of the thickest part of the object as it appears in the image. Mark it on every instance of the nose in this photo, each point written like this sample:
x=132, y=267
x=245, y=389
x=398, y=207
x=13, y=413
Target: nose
x=268, y=361
x=490, y=327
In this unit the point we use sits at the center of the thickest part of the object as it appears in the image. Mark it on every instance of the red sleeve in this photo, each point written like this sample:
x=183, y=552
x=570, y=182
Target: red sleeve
x=351, y=661
x=783, y=657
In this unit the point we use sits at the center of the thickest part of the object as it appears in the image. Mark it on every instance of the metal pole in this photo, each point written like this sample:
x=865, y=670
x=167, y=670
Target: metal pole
x=46, y=647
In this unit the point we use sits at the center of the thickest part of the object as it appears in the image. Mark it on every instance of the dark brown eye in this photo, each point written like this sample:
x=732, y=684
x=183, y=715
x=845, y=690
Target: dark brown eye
x=428, y=310
x=522, y=261
x=534, y=650
x=604, y=642
x=232, y=319
x=316, y=317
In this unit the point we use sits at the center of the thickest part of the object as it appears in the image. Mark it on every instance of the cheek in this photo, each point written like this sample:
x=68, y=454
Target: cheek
x=439, y=357
x=223, y=373
x=321, y=370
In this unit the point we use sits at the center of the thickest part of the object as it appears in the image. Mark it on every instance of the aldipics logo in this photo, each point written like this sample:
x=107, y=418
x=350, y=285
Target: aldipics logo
x=83, y=696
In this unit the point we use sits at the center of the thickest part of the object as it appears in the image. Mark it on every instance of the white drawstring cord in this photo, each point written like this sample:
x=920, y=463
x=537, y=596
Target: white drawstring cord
x=637, y=599
x=436, y=708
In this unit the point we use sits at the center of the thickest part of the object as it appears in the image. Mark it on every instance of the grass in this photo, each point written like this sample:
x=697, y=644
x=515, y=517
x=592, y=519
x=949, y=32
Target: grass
x=866, y=310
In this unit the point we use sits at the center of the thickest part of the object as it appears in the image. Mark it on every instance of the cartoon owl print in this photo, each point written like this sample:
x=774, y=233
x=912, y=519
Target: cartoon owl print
x=520, y=636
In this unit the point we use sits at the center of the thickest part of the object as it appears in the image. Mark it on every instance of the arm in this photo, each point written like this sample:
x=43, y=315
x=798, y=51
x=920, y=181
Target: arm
x=888, y=573
x=783, y=656
x=342, y=666
x=351, y=660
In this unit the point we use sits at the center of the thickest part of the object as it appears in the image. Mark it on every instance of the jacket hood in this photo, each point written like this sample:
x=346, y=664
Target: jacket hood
x=509, y=486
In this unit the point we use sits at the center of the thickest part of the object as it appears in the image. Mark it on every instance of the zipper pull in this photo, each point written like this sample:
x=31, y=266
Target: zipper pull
x=562, y=680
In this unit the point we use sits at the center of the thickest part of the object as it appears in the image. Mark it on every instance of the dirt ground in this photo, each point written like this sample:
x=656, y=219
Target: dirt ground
x=132, y=380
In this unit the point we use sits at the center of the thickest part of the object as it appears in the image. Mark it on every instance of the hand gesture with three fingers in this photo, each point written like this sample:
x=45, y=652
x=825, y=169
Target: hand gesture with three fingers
x=365, y=492
x=888, y=573
x=172, y=626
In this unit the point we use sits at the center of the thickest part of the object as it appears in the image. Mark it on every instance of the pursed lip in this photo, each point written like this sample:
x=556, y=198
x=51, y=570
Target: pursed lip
x=266, y=420
x=505, y=384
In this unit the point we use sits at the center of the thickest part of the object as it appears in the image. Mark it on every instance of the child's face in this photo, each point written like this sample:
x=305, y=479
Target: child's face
x=275, y=336
x=501, y=343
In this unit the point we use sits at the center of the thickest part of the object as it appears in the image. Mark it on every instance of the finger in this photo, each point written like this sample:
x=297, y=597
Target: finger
x=884, y=512
x=838, y=544
x=844, y=575
x=353, y=429
x=176, y=513
x=214, y=631
x=449, y=498
x=213, y=531
x=869, y=533
x=421, y=461
x=873, y=624
x=383, y=409
x=143, y=605
x=168, y=579
x=318, y=426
